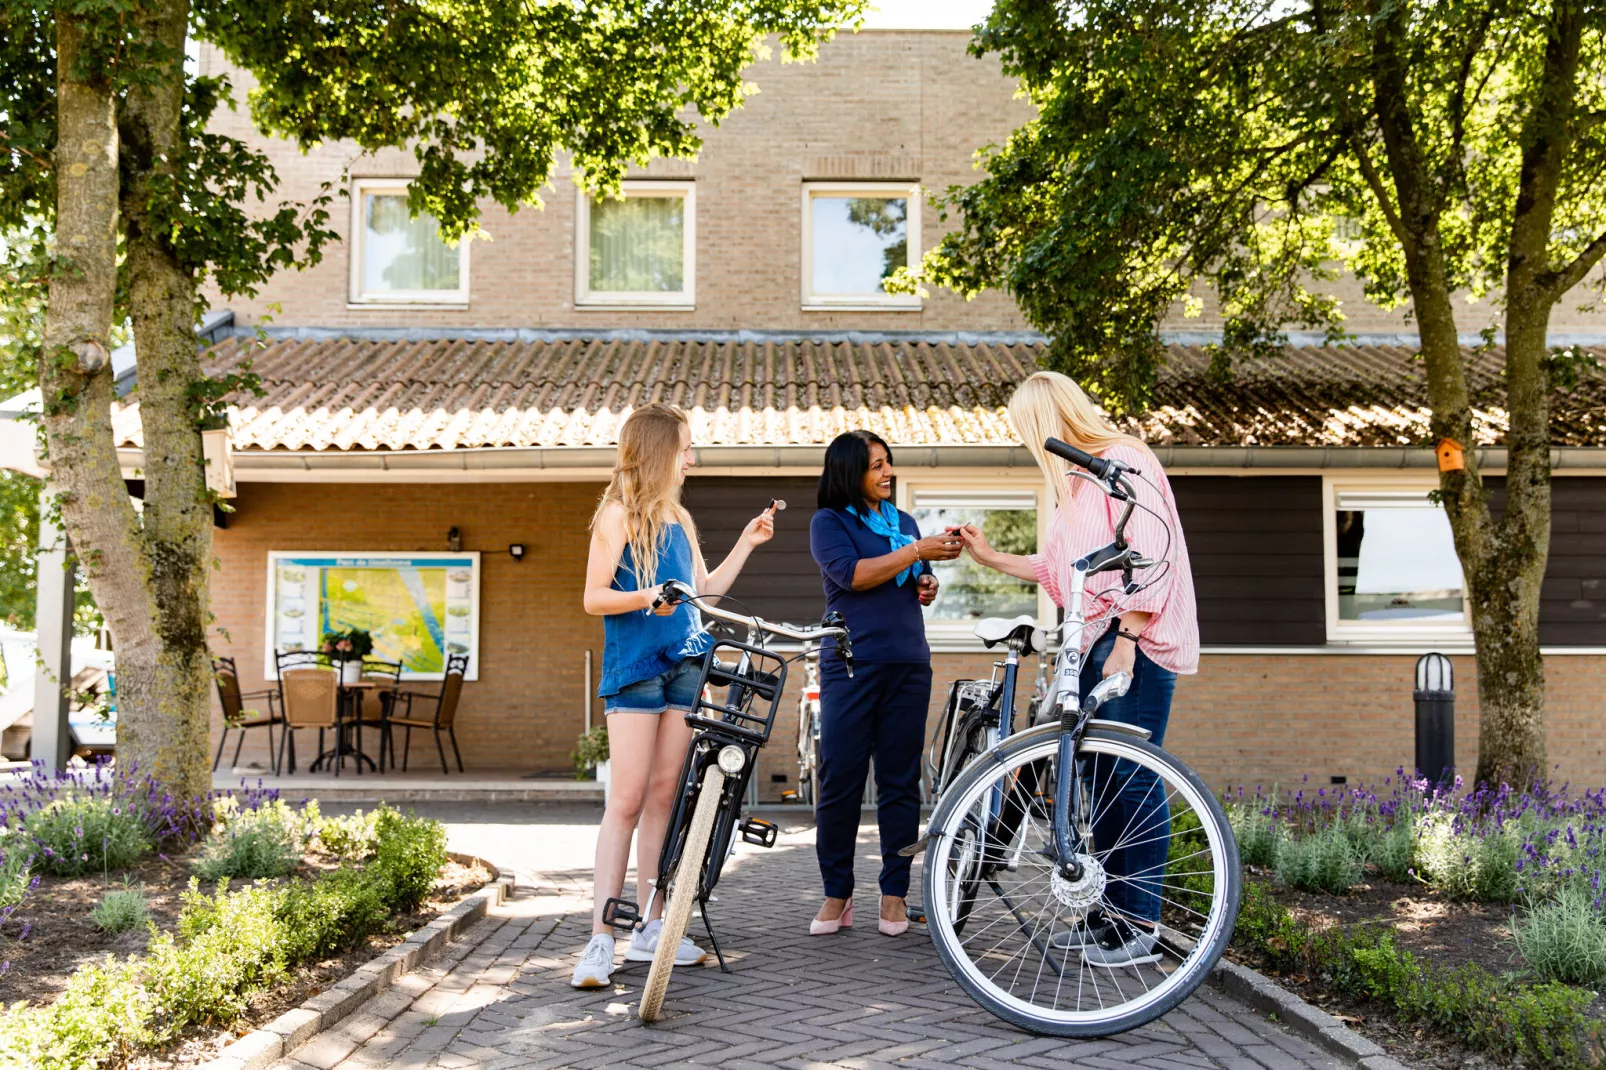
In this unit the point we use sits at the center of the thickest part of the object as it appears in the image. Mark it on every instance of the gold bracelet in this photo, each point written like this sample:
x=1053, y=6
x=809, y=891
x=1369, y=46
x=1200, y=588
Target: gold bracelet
x=916, y=545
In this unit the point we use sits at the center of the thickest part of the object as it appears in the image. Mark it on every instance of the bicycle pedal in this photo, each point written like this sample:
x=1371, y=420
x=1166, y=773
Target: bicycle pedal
x=917, y=913
x=756, y=830
x=621, y=913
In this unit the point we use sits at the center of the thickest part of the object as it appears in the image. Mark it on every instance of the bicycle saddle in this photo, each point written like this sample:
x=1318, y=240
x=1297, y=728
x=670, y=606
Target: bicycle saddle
x=1024, y=629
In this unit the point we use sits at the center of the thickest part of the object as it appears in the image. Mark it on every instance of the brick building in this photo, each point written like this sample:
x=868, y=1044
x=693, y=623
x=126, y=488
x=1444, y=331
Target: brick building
x=436, y=401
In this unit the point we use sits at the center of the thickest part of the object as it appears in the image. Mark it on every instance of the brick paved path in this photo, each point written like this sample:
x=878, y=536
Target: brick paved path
x=501, y=999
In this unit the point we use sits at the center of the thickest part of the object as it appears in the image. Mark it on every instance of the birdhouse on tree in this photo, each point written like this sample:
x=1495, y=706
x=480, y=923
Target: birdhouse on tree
x=1451, y=454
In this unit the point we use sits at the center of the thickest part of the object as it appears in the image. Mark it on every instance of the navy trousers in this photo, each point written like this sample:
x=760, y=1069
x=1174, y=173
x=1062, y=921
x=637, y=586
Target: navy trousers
x=1134, y=825
x=880, y=711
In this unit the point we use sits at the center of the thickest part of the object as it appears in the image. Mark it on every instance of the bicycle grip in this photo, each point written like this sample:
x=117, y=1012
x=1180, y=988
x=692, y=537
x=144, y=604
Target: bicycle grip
x=1097, y=465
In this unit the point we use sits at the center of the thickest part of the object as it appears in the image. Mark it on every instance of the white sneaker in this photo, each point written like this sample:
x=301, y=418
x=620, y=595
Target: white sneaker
x=595, y=967
x=644, y=945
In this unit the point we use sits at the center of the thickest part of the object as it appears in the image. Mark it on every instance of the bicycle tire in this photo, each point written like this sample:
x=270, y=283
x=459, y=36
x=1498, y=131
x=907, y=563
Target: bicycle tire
x=1156, y=999
x=677, y=914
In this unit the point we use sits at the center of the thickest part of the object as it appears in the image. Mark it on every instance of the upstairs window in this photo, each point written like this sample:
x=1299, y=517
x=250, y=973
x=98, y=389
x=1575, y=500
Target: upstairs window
x=638, y=249
x=401, y=259
x=1393, y=573
x=854, y=237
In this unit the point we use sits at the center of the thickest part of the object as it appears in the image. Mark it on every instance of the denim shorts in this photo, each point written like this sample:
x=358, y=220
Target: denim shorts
x=672, y=689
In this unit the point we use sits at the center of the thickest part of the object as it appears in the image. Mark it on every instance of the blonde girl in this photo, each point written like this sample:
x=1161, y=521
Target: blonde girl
x=641, y=536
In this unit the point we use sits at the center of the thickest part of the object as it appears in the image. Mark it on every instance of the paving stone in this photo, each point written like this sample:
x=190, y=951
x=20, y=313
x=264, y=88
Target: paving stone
x=498, y=998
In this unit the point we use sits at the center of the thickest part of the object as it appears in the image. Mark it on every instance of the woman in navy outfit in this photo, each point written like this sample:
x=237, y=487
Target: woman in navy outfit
x=874, y=565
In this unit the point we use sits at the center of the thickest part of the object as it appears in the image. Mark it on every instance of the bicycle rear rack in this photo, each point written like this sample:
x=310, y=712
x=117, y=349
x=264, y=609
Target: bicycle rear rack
x=736, y=707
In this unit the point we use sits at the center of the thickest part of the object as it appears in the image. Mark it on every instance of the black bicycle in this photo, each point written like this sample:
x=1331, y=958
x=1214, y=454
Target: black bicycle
x=735, y=711
x=1027, y=843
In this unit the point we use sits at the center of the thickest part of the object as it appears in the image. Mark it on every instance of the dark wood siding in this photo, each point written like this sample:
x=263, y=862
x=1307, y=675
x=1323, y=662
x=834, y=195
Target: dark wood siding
x=1256, y=547
x=1572, y=601
x=781, y=581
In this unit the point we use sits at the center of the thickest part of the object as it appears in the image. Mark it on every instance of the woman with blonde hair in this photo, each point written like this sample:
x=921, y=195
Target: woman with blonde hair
x=642, y=536
x=1152, y=634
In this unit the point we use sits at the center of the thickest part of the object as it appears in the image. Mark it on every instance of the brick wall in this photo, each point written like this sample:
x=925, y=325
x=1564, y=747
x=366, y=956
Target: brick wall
x=524, y=711
x=1251, y=719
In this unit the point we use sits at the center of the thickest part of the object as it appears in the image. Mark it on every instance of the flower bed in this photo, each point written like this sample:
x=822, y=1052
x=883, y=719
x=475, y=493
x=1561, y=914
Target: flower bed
x=1440, y=924
x=143, y=942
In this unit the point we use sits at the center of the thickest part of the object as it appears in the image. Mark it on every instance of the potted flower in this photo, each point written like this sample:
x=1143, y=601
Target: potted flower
x=591, y=753
x=345, y=651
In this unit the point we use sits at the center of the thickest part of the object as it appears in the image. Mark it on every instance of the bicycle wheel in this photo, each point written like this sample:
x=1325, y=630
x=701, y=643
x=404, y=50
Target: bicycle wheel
x=966, y=860
x=677, y=914
x=1151, y=831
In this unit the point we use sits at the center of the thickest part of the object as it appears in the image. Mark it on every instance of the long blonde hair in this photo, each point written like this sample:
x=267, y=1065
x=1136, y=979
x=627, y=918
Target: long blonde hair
x=644, y=484
x=1051, y=405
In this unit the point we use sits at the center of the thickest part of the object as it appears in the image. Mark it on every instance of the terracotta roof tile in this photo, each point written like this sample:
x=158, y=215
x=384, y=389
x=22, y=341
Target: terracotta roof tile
x=361, y=393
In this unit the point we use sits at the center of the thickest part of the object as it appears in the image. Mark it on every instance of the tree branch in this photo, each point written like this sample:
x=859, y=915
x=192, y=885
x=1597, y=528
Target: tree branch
x=1556, y=283
x=1380, y=191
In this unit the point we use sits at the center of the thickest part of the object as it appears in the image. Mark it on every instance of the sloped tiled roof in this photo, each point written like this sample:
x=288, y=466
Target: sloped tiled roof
x=353, y=393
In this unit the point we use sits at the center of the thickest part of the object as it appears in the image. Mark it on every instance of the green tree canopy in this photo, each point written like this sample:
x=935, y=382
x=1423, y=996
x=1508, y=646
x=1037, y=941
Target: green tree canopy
x=1245, y=152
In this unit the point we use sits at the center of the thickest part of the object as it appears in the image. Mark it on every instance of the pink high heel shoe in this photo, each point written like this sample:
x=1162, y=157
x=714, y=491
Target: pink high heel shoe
x=893, y=928
x=842, y=921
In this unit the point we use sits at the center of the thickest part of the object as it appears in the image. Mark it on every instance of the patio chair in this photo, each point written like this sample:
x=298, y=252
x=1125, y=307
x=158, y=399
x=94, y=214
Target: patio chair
x=443, y=716
x=238, y=718
x=386, y=678
x=311, y=696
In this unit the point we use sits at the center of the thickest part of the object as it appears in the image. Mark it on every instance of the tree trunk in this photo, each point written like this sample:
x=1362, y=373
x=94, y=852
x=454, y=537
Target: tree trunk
x=168, y=673
x=149, y=578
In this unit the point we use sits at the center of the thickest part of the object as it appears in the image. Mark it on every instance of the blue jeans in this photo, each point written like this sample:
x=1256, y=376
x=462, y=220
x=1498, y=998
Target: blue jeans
x=881, y=710
x=1130, y=801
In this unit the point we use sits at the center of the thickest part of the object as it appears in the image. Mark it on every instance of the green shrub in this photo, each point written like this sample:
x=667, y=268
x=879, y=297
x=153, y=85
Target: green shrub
x=101, y=1017
x=1395, y=852
x=410, y=854
x=1543, y=1025
x=219, y=965
x=86, y=834
x=1466, y=863
x=1321, y=861
x=1564, y=939
x=251, y=844
x=1189, y=879
x=16, y=861
x=121, y=910
x=1257, y=833
x=351, y=838
x=331, y=914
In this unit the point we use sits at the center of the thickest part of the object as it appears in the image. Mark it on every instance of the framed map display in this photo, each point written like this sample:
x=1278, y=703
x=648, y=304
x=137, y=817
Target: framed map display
x=419, y=607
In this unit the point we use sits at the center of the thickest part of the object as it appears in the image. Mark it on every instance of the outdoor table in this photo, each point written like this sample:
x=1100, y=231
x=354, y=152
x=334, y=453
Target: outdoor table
x=351, y=696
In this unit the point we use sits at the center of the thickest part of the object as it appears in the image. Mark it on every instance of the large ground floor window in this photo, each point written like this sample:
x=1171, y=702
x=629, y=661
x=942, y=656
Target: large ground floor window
x=969, y=592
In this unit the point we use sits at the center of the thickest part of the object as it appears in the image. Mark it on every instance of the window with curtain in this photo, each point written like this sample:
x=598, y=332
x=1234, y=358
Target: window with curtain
x=968, y=591
x=404, y=256
x=638, y=245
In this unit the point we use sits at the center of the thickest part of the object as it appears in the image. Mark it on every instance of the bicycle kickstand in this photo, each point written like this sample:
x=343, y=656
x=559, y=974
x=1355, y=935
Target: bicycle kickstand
x=708, y=926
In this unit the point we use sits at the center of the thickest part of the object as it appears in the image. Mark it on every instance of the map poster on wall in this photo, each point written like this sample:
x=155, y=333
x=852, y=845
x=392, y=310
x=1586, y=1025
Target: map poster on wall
x=419, y=607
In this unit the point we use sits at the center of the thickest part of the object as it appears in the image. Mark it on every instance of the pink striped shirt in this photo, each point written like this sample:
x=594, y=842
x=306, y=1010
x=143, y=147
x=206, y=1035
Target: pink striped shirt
x=1085, y=521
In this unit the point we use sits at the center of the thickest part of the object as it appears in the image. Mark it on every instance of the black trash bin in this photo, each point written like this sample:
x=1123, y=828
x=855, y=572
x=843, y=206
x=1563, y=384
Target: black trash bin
x=1435, y=719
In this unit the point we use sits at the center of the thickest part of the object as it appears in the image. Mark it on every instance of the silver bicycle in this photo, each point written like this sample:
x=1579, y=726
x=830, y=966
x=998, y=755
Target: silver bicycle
x=1056, y=837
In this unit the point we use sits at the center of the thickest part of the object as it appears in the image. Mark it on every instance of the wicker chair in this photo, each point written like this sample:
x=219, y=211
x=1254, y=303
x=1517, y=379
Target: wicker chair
x=375, y=708
x=311, y=700
x=237, y=718
x=441, y=720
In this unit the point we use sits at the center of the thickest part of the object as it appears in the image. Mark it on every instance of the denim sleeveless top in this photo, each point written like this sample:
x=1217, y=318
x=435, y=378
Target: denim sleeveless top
x=641, y=644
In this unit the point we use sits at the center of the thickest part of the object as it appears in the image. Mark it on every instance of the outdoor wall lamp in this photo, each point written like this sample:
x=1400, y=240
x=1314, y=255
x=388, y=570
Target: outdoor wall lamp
x=517, y=550
x=454, y=540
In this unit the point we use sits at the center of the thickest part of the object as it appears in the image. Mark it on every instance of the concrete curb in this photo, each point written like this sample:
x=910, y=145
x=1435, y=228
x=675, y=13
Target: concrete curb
x=265, y=1046
x=1315, y=1025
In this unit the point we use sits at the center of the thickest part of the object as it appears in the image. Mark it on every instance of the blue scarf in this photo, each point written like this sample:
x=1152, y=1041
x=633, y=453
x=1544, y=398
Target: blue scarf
x=885, y=523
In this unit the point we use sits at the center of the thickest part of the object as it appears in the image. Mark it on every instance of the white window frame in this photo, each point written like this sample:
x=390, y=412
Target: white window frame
x=646, y=300
x=950, y=636
x=1406, y=633
x=358, y=297
x=884, y=302
x=270, y=606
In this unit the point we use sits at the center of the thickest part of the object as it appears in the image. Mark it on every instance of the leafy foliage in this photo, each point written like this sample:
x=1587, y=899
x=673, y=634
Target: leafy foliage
x=1235, y=154
x=265, y=841
x=121, y=909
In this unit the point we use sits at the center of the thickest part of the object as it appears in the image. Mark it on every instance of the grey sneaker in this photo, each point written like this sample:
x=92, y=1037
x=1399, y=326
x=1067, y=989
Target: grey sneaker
x=1122, y=944
x=595, y=967
x=644, y=945
x=1085, y=933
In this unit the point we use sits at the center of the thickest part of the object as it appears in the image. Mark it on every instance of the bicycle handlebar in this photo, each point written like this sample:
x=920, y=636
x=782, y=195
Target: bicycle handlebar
x=675, y=592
